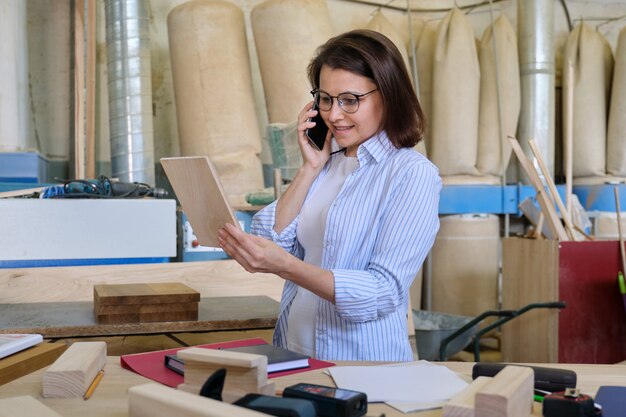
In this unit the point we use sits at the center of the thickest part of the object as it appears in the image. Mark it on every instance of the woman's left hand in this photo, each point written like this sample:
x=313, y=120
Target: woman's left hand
x=254, y=253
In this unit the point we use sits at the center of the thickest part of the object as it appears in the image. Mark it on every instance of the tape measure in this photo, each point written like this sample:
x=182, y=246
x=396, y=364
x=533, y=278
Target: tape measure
x=569, y=403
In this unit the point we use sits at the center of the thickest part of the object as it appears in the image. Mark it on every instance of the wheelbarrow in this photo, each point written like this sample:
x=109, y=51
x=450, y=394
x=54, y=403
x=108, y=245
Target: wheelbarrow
x=440, y=334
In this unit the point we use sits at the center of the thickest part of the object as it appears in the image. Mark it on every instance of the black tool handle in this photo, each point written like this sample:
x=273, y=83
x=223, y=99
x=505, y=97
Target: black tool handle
x=546, y=379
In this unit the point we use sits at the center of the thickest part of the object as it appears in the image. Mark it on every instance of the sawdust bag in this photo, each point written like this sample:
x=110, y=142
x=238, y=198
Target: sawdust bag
x=465, y=264
x=424, y=55
x=453, y=145
x=212, y=79
x=287, y=34
x=499, y=65
x=381, y=24
x=240, y=172
x=590, y=55
x=616, y=144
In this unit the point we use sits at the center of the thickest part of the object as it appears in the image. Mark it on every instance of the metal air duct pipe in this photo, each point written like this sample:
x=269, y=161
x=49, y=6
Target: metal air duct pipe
x=130, y=90
x=536, y=57
x=14, y=104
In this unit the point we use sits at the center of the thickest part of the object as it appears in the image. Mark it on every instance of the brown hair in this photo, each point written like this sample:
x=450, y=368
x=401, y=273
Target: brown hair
x=372, y=55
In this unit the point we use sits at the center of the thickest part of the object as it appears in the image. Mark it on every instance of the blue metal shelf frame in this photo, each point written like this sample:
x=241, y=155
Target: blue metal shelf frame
x=497, y=199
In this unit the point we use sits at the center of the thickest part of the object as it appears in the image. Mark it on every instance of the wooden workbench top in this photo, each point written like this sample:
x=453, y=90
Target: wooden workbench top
x=73, y=319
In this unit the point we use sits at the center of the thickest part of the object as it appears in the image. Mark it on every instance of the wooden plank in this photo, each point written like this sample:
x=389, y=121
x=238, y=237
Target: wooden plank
x=145, y=308
x=29, y=360
x=71, y=375
x=20, y=193
x=149, y=400
x=223, y=278
x=223, y=357
x=78, y=165
x=67, y=319
x=90, y=89
x=197, y=185
x=508, y=394
x=25, y=406
x=145, y=293
x=462, y=404
x=569, y=228
x=547, y=208
x=530, y=271
x=172, y=316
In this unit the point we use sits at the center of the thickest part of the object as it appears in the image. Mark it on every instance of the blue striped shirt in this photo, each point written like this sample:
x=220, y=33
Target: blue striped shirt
x=379, y=230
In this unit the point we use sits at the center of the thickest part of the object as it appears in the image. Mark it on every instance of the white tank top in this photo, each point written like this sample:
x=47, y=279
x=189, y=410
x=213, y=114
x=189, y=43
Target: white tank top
x=310, y=232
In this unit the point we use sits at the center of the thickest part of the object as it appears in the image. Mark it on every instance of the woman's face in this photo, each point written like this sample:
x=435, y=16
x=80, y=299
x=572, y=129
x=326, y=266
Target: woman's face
x=351, y=129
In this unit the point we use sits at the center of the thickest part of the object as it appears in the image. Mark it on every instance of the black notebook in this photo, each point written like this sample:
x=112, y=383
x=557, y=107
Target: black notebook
x=278, y=359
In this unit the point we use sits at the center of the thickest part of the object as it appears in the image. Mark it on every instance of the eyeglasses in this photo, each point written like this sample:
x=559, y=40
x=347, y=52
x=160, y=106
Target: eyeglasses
x=348, y=102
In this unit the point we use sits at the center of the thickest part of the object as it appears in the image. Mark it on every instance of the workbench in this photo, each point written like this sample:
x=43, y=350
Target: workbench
x=76, y=319
x=111, y=397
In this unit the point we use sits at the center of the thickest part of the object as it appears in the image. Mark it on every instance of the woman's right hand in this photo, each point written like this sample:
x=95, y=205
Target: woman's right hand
x=311, y=156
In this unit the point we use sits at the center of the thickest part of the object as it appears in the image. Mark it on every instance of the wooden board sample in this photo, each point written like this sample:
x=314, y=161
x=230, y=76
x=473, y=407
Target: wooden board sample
x=29, y=360
x=171, y=316
x=25, y=406
x=508, y=394
x=151, y=400
x=199, y=190
x=148, y=293
x=462, y=404
x=71, y=375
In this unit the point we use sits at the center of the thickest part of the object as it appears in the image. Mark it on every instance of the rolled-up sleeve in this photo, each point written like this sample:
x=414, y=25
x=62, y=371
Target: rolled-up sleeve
x=263, y=225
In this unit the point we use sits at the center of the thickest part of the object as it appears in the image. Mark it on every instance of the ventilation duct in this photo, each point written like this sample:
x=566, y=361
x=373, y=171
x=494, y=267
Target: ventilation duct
x=130, y=90
x=536, y=55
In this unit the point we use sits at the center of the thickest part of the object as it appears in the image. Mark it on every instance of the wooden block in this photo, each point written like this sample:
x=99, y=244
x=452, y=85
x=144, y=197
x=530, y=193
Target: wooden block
x=147, y=317
x=223, y=357
x=151, y=400
x=508, y=394
x=25, y=406
x=145, y=308
x=148, y=293
x=462, y=404
x=29, y=360
x=71, y=374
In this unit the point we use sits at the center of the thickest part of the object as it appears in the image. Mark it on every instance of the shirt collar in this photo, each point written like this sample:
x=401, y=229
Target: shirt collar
x=378, y=147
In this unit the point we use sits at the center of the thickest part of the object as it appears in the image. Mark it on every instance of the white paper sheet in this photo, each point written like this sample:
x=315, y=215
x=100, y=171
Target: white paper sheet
x=408, y=387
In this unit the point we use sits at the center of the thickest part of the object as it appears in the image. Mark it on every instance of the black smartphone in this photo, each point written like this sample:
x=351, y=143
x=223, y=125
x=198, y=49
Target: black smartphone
x=317, y=134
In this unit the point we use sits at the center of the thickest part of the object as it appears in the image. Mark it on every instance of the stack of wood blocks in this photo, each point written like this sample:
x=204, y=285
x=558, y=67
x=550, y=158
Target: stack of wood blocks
x=71, y=375
x=245, y=372
x=145, y=303
x=508, y=394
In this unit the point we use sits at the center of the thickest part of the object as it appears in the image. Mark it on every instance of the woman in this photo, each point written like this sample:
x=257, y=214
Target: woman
x=355, y=225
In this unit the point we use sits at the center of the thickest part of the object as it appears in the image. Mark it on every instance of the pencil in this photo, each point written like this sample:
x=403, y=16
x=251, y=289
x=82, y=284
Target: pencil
x=94, y=384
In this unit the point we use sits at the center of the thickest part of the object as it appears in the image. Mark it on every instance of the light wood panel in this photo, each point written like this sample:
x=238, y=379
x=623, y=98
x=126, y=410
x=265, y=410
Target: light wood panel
x=212, y=279
x=197, y=185
x=529, y=275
